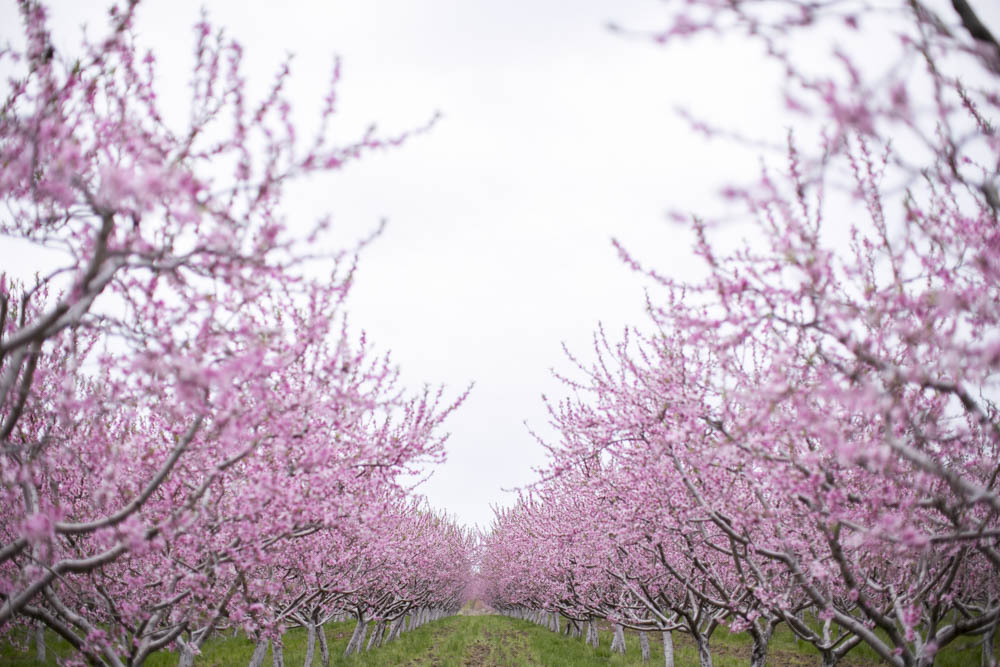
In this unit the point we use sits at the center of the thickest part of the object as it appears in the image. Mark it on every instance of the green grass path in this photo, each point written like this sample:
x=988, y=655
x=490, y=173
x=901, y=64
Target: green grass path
x=493, y=641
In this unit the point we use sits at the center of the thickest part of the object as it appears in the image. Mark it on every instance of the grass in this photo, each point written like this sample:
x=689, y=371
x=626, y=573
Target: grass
x=495, y=641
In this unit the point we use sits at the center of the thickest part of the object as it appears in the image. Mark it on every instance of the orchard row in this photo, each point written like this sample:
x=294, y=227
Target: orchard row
x=192, y=439
x=808, y=435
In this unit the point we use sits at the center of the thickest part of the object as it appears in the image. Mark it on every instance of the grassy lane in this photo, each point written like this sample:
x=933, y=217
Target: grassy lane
x=462, y=641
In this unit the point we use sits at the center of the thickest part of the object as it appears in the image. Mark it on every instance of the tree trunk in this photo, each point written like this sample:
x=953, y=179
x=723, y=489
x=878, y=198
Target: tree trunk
x=618, y=641
x=186, y=658
x=395, y=628
x=704, y=654
x=310, y=644
x=668, y=648
x=39, y=641
x=277, y=653
x=324, y=649
x=376, y=639
x=259, y=652
x=362, y=633
x=987, y=659
x=357, y=638
x=758, y=652
x=644, y=646
x=592, y=637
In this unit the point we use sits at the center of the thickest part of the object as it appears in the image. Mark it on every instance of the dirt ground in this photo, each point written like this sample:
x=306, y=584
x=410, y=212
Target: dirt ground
x=476, y=608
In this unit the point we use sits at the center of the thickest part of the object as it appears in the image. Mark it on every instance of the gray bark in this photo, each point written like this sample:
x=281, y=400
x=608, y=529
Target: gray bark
x=310, y=644
x=359, y=641
x=377, y=630
x=758, y=653
x=592, y=637
x=987, y=659
x=277, y=653
x=324, y=649
x=618, y=640
x=395, y=628
x=39, y=641
x=644, y=646
x=704, y=654
x=357, y=638
x=668, y=648
x=259, y=651
x=186, y=658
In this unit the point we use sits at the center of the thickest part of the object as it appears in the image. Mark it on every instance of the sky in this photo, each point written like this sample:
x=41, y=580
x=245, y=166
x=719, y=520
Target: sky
x=556, y=135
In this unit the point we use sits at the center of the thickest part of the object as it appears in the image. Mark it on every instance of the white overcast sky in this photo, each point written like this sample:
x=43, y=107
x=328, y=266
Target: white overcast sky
x=557, y=135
